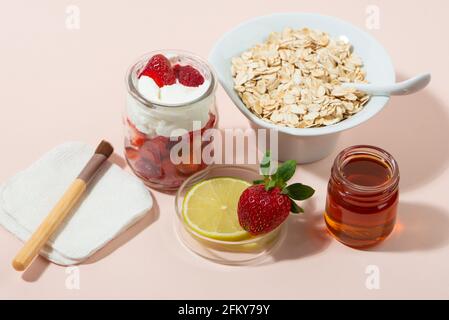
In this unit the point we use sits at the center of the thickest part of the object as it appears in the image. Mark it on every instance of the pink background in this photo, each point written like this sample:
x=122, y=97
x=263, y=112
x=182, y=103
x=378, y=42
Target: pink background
x=60, y=85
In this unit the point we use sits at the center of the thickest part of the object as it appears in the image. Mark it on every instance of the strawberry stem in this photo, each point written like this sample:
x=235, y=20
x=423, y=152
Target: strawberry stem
x=279, y=179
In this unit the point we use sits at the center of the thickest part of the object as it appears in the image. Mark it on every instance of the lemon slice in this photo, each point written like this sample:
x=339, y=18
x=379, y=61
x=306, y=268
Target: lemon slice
x=210, y=208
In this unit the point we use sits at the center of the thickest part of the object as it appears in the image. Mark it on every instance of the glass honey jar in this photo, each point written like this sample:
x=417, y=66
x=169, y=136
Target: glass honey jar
x=363, y=195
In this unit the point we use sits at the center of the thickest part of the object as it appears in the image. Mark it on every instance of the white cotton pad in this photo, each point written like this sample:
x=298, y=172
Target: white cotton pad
x=114, y=201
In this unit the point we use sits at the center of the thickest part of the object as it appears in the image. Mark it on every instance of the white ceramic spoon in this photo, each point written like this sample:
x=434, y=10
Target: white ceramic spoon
x=397, y=89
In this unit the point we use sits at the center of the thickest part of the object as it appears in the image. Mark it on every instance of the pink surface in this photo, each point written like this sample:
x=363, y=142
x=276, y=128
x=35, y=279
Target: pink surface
x=59, y=84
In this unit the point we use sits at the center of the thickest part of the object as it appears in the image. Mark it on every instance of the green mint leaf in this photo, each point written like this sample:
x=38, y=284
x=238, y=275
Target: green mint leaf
x=270, y=185
x=285, y=171
x=265, y=164
x=266, y=159
x=259, y=181
x=298, y=191
x=295, y=208
x=280, y=184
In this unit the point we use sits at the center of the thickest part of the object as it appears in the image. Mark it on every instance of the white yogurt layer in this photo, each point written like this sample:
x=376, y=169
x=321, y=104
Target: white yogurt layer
x=164, y=121
x=172, y=94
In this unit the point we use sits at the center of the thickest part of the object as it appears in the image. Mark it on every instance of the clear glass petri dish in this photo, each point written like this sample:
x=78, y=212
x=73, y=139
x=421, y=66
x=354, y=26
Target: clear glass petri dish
x=245, y=252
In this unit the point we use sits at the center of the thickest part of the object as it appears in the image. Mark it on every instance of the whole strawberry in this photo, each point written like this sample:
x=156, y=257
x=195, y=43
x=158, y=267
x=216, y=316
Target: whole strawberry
x=262, y=210
x=265, y=205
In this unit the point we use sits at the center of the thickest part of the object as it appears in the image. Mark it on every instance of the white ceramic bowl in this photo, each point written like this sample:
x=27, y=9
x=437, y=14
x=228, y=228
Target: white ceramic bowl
x=309, y=144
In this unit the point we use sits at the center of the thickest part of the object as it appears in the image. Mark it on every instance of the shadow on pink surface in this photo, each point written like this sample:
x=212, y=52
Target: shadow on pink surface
x=414, y=129
x=36, y=269
x=419, y=228
x=118, y=160
x=306, y=235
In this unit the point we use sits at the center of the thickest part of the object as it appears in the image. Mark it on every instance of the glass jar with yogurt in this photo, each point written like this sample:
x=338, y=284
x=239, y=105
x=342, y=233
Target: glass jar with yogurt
x=170, y=100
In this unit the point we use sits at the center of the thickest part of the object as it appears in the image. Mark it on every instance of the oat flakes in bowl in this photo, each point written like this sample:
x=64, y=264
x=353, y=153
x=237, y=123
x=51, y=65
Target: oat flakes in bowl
x=294, y=79
x=308, y=144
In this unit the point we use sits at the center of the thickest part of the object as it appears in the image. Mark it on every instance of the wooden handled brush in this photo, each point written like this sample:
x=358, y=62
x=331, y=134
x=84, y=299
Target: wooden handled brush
x=61, y=210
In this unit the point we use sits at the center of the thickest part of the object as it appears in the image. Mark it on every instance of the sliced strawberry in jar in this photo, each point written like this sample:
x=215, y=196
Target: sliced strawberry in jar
x=150, y=151
x=148, y=169
x=171, y=176
x=189, y=167
x=149, y=161
x=131, y=153
x=162, y=144
x=168, y=167
x=136, y=138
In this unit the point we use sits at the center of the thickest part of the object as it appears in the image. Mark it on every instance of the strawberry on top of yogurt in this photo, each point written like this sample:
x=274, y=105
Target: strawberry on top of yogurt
x=162, y=82
x=179, y=89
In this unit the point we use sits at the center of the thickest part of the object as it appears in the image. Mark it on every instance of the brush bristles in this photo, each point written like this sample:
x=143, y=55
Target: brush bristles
x=104, y=148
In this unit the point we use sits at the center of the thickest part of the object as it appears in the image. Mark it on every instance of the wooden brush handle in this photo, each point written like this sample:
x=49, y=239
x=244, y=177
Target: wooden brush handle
x=54, y=219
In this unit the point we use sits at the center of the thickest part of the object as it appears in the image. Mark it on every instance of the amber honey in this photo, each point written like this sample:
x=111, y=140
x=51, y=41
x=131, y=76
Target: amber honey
x=362, y=196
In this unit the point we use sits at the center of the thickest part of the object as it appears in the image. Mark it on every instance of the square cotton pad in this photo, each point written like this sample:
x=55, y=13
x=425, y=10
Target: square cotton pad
x=114, y=201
